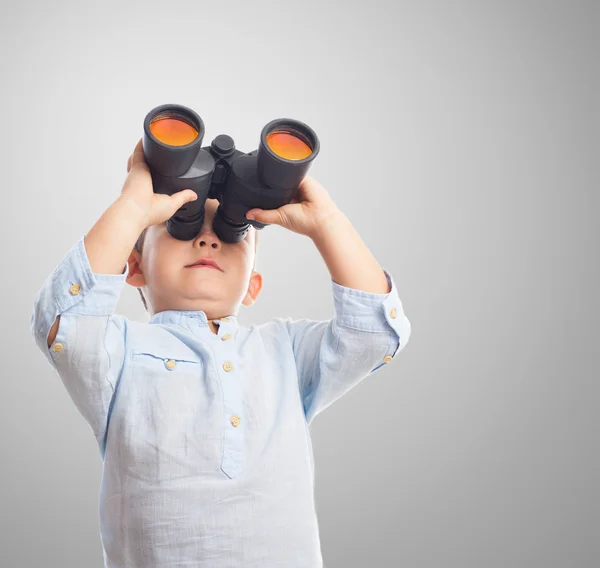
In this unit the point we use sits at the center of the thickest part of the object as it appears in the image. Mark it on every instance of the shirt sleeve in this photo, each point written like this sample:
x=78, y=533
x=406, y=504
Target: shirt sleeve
x=88, y=350
x=367, y=331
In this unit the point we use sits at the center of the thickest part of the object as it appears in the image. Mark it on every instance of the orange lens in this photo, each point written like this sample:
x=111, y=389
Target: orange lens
x=288, y=146
x=173, y=131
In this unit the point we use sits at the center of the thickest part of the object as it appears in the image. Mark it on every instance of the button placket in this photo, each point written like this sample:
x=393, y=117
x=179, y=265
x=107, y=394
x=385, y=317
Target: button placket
x=233, y=418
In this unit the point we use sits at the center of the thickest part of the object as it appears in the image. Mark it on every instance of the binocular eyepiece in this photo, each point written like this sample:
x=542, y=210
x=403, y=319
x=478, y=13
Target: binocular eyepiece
x=266, y=178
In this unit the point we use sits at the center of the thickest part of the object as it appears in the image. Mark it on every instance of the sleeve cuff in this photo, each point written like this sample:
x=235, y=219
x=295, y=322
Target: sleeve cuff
x=367, y=311
x=79, y=290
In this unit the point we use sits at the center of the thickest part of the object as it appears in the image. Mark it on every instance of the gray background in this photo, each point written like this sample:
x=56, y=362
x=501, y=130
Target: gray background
x=459, y=138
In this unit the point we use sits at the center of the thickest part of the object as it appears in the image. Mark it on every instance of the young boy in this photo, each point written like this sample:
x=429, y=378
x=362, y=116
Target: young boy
x=202, y=423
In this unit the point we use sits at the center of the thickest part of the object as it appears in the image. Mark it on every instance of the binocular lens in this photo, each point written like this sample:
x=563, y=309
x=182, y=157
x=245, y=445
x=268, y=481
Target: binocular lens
x=173, y=131
x=287, y=145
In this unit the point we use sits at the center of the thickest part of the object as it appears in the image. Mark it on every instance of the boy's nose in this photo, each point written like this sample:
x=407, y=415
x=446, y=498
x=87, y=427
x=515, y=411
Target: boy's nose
x=207, y=238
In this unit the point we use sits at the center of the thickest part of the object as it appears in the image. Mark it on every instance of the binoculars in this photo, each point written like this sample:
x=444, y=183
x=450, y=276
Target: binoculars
x=266, y=178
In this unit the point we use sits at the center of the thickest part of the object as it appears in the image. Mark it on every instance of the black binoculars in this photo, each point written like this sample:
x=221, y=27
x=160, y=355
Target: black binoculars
x=266, y=178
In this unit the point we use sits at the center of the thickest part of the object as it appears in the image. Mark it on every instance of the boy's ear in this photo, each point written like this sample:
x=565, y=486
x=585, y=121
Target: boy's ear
x=135, y=277
x=254, y=288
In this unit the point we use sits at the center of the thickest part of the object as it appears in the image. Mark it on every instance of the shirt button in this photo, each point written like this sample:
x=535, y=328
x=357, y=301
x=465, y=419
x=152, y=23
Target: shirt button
x=57, y=347
x=235, y=420
x=226, y=337
x=75, y=289
x=224, y=319
x=393, y=313
x=387, y=358
x=228, y=365
x=170, y=363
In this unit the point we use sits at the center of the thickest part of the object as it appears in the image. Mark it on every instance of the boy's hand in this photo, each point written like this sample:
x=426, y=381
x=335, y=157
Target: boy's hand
x=154, y=207
x=306, y=214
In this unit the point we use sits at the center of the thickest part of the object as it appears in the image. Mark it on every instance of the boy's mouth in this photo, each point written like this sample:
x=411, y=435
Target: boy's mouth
x=205, y=263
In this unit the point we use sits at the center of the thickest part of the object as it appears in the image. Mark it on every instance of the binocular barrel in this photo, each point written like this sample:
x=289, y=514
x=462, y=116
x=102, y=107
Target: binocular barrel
x=265, y=178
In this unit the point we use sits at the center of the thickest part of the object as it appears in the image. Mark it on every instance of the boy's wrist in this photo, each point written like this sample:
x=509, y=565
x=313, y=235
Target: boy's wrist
x=108, y=244
x=136, y=215
x=328, y=226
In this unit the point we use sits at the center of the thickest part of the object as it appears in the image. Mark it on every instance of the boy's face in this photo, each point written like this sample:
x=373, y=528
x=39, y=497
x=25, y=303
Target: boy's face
x=162, y=269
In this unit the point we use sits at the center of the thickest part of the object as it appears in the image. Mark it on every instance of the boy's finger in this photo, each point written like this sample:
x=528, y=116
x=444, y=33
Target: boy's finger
x=182, y=197
x=267, y=216
x=138, y=154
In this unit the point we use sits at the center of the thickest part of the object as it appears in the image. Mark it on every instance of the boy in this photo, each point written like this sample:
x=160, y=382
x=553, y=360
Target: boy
x=202, y=423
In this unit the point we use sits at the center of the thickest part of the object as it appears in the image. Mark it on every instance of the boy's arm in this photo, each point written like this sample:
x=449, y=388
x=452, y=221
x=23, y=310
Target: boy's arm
x=369, y=327
x=365, y=294
x=109, y=242
x=73, y=321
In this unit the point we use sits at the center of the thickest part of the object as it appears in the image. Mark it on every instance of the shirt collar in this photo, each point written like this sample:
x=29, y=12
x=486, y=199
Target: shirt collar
x=184, y=317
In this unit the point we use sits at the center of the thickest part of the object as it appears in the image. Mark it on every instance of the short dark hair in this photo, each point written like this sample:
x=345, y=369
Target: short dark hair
x=139, y=246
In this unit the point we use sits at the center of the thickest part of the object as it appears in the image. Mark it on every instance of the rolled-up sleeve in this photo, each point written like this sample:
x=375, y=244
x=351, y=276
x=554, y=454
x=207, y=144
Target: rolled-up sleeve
x=367, y=331
x=88, y=350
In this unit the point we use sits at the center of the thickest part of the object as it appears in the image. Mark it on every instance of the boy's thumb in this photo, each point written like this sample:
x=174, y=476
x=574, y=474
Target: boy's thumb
x=183, y=196
x=267, y=216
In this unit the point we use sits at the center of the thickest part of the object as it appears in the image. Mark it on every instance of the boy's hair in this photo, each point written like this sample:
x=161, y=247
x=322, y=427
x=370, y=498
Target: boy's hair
x=139, y=246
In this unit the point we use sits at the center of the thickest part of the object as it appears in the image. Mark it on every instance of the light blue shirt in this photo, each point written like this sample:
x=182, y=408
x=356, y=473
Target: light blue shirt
x=204, y=438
